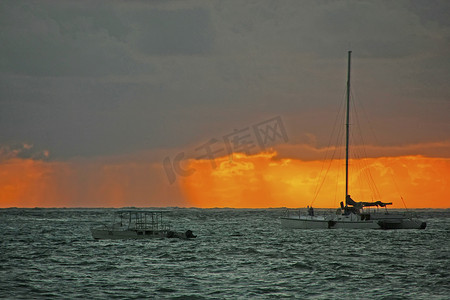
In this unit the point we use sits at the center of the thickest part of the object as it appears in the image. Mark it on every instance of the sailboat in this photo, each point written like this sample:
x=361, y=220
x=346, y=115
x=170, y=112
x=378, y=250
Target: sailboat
x=352, y=214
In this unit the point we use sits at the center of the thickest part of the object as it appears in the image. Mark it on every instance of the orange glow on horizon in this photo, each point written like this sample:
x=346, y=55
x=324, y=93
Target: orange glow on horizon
x=261, y=180
x=240, y=181
x=113, y=182
x=24, y=178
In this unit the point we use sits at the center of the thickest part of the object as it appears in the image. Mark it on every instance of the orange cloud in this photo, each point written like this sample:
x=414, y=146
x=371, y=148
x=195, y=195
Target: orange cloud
x=263, y=181
x=106, y=182
x=312, y=152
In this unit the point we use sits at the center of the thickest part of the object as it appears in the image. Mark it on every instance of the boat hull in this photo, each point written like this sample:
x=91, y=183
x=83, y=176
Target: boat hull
x=352, y=222
x=299, y=223
x=403, y=224
x=100, y=234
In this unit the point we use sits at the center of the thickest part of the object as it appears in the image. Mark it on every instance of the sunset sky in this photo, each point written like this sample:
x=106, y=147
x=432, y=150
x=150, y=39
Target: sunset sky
x=223, y=103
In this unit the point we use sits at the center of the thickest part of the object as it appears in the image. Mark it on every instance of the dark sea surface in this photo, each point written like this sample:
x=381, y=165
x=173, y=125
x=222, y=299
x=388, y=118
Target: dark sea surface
x=238, y=254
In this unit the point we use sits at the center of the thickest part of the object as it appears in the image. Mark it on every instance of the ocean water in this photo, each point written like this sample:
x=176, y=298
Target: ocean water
x=238, y=254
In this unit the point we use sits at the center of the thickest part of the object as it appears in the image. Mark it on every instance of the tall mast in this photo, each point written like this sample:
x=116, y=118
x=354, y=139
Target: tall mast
x=347, y=125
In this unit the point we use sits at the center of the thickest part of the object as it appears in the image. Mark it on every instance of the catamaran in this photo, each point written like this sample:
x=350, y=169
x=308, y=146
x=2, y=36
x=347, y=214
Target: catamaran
x=138, y=224
x=353, y=214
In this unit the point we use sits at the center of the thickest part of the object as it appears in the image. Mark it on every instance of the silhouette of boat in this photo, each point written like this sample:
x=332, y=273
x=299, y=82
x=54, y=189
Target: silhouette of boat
x=138, y=224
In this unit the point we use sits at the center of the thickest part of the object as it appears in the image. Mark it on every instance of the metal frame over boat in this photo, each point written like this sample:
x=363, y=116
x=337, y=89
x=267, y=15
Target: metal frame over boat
x=352, y=215
x=138, y=224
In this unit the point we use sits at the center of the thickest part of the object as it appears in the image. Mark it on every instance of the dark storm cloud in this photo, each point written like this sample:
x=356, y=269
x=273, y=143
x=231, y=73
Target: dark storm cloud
x=62, y=39
x=84, y=79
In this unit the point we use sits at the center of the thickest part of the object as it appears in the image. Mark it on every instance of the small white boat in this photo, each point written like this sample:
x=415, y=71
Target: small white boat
x=138, y=224
x=353, y=215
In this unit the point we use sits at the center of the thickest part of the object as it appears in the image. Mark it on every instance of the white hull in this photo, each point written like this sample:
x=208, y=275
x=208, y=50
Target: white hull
x=331, y=223
x=352, y=221
x=100, y=234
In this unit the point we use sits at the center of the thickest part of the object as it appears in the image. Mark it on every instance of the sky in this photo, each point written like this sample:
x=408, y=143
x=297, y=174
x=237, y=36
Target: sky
x=222, y=103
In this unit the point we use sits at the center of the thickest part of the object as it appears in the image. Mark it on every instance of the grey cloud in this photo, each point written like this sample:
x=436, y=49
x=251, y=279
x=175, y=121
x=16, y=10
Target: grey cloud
x=173, y=32
x=431, y=12
x=22, y=150
x=63, y=39
x=83, y=79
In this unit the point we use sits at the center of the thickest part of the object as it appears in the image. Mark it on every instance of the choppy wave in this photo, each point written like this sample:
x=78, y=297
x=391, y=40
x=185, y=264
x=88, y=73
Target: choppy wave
x=49, y=253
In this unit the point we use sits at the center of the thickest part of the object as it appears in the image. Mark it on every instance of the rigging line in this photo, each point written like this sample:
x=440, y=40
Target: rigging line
x=324, y=178
x=340, y=170
x=338, y=147
x=372, y=131
x=404, y=202
x=398, y=190
x=362, y=165
x=337, y=152
x=357, y=165
x=367, y=118
x=319, y=185
x=334, y=128
x=361, y=177
x=370, y=179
